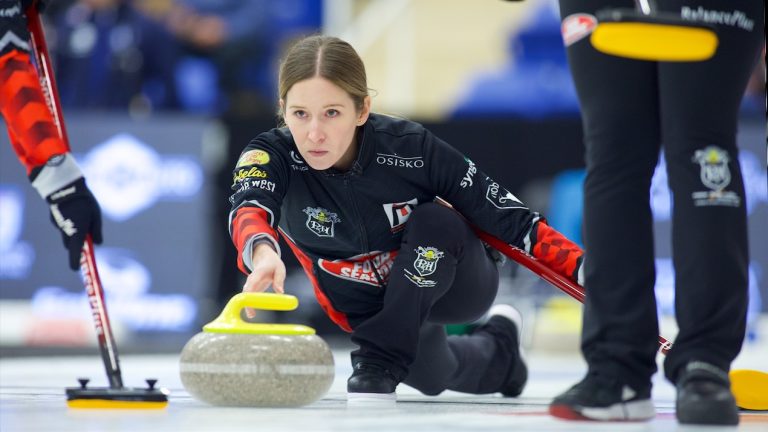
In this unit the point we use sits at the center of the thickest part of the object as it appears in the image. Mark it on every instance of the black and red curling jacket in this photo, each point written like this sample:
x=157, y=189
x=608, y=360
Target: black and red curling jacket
x=32, y=129
x=346, y=227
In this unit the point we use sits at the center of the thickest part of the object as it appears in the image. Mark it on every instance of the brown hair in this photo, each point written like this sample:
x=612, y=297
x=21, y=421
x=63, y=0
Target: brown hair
x=327, y=57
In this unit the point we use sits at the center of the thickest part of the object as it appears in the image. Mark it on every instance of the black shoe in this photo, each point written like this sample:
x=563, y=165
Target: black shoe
x=371, y=382
x=600, y=398
x=505, y=323
x=704, y=396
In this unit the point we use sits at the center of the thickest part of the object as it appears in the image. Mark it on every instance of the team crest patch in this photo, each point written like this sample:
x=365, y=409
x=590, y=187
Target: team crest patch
x=715, y=175
x=714, y=167
x=398, y=213
x=253, y=157
x=425, y=264
x=321, y=221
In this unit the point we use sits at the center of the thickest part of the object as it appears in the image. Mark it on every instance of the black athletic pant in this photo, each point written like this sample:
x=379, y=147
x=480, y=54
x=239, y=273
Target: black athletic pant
x=630, y=110
x=455, y=283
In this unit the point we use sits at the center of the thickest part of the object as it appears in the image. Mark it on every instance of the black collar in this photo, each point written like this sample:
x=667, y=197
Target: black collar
x=365, y=151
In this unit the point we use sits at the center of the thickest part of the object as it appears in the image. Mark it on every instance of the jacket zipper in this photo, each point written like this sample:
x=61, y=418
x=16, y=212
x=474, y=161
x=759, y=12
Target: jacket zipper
x=363, y=235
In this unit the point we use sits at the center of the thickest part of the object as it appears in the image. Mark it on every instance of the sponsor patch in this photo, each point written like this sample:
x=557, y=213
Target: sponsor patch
x=296, y=158
x=576, y=27
x=244, y=174
x=419, y=281
x=321, y=221
x=399, y=161
x=256, y=184
x=298, y=163
x=736, y=18
x=253, y=157
x=362, y=268
x=502, y=198
x=63, y=193
x=398, y=213
x=471, y=170
x=10, y=12
x=715, y=175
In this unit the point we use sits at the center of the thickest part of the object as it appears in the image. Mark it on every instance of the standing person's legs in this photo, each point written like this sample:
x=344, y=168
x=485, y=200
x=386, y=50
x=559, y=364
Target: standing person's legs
x=619, y=104
x=441, y=273
x=619, y=110
x=699, y=106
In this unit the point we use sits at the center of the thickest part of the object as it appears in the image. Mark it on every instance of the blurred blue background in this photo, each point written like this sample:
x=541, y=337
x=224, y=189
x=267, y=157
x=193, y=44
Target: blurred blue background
x=159, y=97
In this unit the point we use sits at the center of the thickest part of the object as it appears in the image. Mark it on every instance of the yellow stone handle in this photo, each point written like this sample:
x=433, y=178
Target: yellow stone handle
x=229, y=321
x=263, y=300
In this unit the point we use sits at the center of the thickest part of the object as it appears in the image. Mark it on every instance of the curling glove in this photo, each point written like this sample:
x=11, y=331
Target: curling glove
x=74, y=210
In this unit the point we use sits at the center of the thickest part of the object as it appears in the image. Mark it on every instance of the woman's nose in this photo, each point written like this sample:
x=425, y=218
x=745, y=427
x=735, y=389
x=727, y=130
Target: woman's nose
x=315, y=132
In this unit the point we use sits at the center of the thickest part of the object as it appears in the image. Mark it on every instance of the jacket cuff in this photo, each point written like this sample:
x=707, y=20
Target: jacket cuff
x=59, y=171
x=248, y=248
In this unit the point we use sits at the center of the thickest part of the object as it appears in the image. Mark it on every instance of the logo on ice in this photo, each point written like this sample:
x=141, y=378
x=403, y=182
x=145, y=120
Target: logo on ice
x=320, y=221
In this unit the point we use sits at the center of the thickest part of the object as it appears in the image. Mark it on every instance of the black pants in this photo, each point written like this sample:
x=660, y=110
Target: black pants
x=630, y=109
x=454, y=283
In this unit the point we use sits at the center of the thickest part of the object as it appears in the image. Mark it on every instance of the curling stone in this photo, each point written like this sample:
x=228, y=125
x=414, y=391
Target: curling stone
x=237, y=363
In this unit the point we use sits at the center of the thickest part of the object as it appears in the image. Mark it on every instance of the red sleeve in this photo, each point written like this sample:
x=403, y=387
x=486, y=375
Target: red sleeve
x=34, y=135
x=249, y=222
x=556, y=251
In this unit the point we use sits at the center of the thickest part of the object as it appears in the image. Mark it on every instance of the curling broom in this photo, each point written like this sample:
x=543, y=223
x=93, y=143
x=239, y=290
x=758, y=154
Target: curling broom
x=116, y=395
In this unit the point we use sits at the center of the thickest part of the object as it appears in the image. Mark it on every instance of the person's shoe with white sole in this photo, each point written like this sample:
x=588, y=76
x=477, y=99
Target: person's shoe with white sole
x=505, y=324
x=602, y=398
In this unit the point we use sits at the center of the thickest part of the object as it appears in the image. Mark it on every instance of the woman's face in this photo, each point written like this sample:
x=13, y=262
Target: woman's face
x=322, y=119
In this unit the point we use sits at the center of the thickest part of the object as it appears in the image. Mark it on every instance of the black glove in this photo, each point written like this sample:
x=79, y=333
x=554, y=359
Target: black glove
x=75, y=213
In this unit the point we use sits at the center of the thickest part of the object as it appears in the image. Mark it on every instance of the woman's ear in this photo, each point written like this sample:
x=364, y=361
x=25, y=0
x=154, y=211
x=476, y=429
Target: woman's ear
x=365, y=112
x=282, y=107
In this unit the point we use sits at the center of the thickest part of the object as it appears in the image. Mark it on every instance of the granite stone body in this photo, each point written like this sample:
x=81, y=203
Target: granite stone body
x=256, y=370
